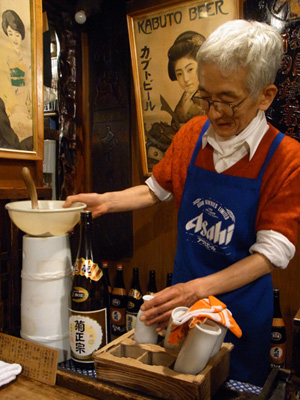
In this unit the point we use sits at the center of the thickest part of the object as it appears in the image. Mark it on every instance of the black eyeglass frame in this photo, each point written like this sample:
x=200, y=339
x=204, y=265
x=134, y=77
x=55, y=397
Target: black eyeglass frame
x=212, y=102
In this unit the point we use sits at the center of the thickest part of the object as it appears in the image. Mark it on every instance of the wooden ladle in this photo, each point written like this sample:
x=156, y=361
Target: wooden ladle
x=26, y=175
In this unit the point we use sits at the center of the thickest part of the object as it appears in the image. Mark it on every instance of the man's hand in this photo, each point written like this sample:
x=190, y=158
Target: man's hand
x=97, y=203
x=159, y=309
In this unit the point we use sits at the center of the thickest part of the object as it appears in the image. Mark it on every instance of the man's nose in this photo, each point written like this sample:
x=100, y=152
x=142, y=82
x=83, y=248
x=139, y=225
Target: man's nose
x=213, y=111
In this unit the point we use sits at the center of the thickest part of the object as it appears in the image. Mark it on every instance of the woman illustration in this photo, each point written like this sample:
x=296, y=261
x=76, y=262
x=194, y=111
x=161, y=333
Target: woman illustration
x=16, y=76
x=182, y=67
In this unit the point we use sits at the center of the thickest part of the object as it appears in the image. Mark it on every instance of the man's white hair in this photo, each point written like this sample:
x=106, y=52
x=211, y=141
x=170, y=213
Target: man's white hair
x=256, y=46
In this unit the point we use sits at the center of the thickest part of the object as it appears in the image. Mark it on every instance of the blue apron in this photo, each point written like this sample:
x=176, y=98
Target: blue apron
x=216, y=228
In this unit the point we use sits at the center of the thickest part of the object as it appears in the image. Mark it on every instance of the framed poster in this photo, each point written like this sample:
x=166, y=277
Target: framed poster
x=164, y=41
x=21, y=80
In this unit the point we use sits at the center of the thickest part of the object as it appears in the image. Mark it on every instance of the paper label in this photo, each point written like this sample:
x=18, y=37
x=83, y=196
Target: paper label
x=88, y=333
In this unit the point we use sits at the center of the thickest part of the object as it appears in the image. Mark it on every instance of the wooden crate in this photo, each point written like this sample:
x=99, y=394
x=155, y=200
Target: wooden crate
x=148, y=368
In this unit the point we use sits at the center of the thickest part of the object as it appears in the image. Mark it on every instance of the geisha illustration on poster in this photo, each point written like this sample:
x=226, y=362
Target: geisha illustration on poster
x=16, y=73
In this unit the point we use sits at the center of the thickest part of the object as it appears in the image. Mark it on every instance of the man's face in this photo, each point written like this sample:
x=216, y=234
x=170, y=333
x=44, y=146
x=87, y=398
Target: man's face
x=230, y=89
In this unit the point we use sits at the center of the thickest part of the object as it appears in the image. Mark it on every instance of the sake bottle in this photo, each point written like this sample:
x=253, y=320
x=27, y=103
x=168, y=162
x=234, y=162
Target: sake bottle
x=118, y=304
x=134, y=300
x=88, y=321
x=151, y=287
x=278, y=336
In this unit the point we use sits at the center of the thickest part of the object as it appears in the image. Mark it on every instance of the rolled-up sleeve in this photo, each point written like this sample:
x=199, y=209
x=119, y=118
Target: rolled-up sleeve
x=160, y=193
x=275, y=247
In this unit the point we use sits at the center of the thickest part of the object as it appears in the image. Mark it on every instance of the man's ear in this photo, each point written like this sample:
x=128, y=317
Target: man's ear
x=267, y=96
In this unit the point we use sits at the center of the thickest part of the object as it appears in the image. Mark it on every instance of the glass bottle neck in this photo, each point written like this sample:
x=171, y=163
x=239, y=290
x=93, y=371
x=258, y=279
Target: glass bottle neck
x=119, y=282
x=85, y=241
x=277, y=310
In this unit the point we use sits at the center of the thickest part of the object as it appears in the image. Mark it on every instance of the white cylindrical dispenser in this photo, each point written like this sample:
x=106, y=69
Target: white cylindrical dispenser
x=46, y=284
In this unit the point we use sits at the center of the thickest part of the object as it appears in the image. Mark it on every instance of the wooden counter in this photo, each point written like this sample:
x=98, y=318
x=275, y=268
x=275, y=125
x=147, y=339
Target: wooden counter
x=25, y=388
x=70, y=386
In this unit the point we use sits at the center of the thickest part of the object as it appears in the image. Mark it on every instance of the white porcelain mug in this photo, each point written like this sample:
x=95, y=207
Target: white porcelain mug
x=220, y=339
x=175, y=314
x=197, y=348
x=142, y=332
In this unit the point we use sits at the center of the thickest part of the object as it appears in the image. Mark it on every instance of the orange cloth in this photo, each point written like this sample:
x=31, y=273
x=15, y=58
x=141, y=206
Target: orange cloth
x=211, y=308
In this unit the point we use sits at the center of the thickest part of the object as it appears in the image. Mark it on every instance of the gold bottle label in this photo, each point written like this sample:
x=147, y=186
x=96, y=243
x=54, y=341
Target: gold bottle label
x=87, y=268
x=136, y=294
x=278, y=322
x=79, y=294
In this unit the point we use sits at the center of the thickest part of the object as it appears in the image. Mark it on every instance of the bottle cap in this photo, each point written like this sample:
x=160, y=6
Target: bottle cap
x=86, y=216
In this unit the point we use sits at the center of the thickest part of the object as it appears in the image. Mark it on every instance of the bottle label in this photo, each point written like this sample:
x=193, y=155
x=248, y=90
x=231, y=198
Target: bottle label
x=130, y=321
x=117, y=316
x=277, y=355
x=276, y=336
x=278, y=322
x=136, y=294
x=119, y=291
x=130, y=305
x=88, y=333
x=79, y=294
x=87, y=268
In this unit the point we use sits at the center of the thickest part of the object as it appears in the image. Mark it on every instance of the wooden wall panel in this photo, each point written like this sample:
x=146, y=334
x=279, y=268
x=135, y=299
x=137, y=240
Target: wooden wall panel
x=288, y=282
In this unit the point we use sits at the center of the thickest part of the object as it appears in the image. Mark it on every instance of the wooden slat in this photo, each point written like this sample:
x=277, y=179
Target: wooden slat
x=95, y=387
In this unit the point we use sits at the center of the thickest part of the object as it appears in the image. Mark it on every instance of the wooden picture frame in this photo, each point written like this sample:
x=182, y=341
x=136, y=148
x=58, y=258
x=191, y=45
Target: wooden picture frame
x=152, y=33
x=21, y=73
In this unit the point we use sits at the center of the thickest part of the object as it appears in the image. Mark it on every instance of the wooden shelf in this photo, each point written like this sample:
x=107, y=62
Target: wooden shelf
x=11, y=193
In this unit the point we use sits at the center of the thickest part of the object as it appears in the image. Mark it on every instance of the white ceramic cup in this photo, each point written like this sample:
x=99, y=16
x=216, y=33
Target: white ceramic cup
x=220, y=339
x=142, y=332
x=197, y=348
x=175, y=314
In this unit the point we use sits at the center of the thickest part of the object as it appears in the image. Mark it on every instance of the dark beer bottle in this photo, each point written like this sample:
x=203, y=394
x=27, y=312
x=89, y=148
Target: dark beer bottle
x=88, y=322
x=134, y=300
x=278, y=336
x=151, y=287
x=106, y=275
x=169, y=279
x=118, y=304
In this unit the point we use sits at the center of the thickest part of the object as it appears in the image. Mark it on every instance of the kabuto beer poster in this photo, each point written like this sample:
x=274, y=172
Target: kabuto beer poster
x=164, y=42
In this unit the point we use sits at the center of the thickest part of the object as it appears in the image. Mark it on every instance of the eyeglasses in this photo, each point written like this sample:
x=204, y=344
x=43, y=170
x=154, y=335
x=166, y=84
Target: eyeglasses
x=220, y=106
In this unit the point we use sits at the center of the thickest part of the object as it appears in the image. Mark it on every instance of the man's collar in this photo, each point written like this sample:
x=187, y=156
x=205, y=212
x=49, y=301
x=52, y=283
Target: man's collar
x=251, y=135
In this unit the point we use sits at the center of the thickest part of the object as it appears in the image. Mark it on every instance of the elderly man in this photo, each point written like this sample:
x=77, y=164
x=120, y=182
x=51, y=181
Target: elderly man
x=235, y=180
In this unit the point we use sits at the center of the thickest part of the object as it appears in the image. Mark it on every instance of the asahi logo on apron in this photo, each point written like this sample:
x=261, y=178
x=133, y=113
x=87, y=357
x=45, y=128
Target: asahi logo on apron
x=212, y=227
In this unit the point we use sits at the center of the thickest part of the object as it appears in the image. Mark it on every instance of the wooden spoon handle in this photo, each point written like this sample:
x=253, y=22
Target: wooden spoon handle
x=26, y=175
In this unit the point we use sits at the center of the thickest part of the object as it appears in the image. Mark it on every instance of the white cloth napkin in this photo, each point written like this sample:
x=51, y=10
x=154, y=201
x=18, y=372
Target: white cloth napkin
x=8, y=372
